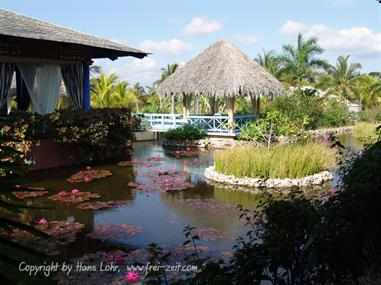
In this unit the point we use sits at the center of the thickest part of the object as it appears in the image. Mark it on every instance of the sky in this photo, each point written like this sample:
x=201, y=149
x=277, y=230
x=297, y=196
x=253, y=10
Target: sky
x=176, y=31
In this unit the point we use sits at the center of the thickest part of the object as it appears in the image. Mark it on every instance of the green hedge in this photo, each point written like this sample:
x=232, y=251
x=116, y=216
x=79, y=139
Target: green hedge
x=97, y=133
x=186, y=132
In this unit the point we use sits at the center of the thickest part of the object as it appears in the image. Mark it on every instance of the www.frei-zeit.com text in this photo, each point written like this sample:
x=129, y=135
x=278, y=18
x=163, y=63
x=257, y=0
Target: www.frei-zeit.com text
x=47, y=269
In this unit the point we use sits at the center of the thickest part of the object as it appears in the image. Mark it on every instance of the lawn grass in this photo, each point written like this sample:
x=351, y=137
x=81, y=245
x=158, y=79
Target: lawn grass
x=365, y=130
x=287, y=161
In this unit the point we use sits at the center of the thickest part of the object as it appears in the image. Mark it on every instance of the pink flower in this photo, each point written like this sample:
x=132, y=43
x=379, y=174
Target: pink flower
x=132, y=276
x=18, y=196
x=88, y=167
x=87, y=179
x=42, y=221
x=177, y=151
x=74, y=191
x=188, y=148
x=17, y=186
x=62, y=193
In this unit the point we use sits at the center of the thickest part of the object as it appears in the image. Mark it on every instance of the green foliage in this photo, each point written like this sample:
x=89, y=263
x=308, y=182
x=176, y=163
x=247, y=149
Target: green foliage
x=316, y=112
x=186, y=132
x=286, y=161
x=371, y=114
x=365, y=130
x=265, y=129
x=97, y=134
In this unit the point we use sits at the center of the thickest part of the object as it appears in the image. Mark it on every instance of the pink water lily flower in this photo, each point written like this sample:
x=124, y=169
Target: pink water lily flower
x=62, y=193
x=17, y=186
x=87, y=179
x=177, y=151
x=42, y=221
x=88, y=167
x=132, y=276
x=74, y=191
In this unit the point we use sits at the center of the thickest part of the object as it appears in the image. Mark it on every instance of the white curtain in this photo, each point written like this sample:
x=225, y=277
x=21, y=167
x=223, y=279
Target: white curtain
x=43, y=84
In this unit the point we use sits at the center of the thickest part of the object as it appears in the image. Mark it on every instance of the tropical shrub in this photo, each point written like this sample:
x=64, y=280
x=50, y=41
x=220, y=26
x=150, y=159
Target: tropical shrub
x=286, y=161
x=365, y=130
x=264, y=130
x=371, y=114
x=97, y=134
x=186, y=132
x=315, y=111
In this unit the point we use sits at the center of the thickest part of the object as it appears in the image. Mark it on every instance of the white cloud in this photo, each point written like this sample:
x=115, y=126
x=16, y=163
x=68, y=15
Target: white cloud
x=247, y=40
x=145, y=71
x=360, y=41
x=173, y=47
x=199, y=26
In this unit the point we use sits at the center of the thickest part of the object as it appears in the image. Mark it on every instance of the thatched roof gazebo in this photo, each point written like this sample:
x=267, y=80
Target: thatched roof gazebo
x=221, y=71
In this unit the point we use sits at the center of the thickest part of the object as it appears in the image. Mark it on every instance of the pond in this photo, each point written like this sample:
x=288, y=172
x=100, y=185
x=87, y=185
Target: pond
x=151, y=207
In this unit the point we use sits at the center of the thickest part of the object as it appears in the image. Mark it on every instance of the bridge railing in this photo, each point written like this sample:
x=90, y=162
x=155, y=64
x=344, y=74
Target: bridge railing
x=216, y=124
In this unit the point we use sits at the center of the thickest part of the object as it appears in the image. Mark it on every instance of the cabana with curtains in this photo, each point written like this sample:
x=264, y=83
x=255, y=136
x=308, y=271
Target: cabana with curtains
x=42, y=55
x=220, y=71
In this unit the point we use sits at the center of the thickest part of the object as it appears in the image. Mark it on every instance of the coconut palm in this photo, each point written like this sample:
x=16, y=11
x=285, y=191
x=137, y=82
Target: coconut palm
x=170, y=69
x=367, y=90
x=270, y=61
x=102, y=88
x=300, y=62
x=341, y=79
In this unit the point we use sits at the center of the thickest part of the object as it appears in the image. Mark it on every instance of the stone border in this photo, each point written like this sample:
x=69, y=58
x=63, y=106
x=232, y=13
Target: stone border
x=231, y=143
x=316, y=179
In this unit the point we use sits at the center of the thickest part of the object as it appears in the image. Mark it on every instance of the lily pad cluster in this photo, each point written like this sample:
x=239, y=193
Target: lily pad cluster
x=88, y=175
x=209, y=205
x=60, y=233
x=74, y=197
x=113, y=233
x=101, y=205
x=207, y=234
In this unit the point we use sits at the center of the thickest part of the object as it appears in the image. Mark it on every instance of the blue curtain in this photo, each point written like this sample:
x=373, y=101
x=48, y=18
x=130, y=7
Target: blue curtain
x=72, y=75
x=23, y=98
x=6, y=74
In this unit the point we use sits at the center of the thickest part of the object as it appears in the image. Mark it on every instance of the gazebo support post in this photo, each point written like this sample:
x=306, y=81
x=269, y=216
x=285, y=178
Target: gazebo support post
x=258, y=102
x=212, y=103
x=253, y=100
x=230, y=108
x=196, y=104
x=185, y=108
x=172, y=108
x=86, y=86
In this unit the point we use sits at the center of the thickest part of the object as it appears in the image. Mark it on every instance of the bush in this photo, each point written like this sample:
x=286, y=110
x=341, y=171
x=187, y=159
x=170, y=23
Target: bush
x=264, y=129
x=97, y=134
x=371, y=114
x=287, y=161
x=186, y=132
x=365, y=130
x=319, y=112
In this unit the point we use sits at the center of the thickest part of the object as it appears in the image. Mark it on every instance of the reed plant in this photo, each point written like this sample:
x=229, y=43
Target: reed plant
x=286, y=161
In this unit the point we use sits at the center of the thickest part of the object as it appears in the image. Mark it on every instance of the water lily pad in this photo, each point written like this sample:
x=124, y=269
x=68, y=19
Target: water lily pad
x=29, y=194
x=113, y=233
x=101, y=205
x=74, y=198
x=209, y=205
x=88, y=175
x=60, y=232
x=207, y=234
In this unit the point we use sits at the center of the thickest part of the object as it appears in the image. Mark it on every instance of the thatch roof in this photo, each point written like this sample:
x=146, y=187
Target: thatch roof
x=17, y=25
x=224, y=71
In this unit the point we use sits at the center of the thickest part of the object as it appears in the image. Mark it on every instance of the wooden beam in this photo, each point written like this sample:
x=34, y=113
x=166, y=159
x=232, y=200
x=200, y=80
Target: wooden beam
x=185, y=111
x=172, y=108
x=258, y=101
x=196, y=104
x=230, y=105
x=253, y=101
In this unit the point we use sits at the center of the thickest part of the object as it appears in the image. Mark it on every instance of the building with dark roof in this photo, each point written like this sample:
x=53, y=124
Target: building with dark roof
x=41, y=54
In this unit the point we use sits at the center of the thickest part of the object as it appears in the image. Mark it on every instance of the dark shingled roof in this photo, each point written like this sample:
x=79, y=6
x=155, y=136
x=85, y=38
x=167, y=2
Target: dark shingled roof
x=17, y=25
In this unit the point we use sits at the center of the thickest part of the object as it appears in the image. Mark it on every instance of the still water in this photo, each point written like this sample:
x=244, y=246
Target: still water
x=162, y=215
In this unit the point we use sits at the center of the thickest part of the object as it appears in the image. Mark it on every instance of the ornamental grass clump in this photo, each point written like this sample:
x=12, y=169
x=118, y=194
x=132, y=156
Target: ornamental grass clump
x=287, y=161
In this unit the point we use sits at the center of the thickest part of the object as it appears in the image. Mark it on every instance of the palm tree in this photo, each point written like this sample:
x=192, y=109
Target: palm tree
x=102, y=89
x=367, y=90
x=170, y=69
x=137, y=92
x=300, y=62
x=270, y=61
x=341, y=78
